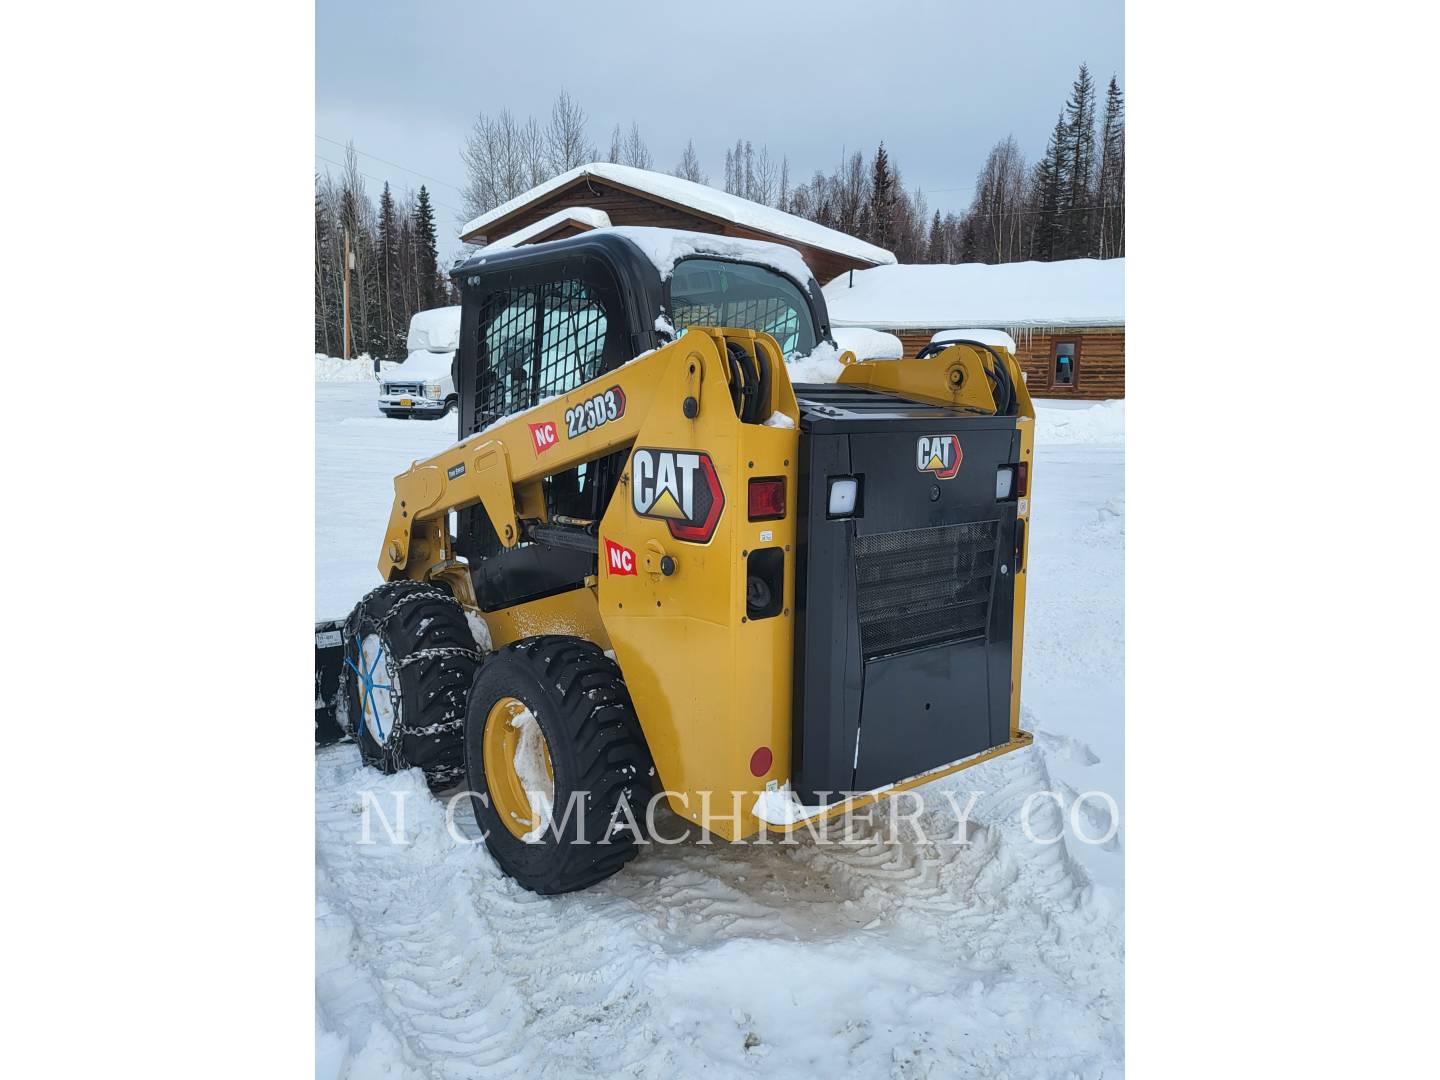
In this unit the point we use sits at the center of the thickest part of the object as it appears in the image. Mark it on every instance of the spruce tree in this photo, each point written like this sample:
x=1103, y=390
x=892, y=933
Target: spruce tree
x=935, y=248
x=1076, y=234
x=1045, y=187
x=882, y=199
x=389, y=265
x=1110, y=187
x=427, y=270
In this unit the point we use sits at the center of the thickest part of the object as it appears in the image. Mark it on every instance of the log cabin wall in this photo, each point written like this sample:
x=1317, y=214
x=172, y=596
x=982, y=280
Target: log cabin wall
x=1099, y=365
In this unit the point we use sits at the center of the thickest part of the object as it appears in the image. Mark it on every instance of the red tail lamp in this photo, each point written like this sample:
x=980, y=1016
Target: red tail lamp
x=767, y=498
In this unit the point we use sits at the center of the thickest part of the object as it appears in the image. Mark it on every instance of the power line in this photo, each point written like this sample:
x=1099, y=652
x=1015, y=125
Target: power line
x=392, y=164
x=383, y=180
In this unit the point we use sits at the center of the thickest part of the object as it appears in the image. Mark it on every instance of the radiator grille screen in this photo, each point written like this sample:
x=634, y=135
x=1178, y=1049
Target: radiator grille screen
x=924, y=587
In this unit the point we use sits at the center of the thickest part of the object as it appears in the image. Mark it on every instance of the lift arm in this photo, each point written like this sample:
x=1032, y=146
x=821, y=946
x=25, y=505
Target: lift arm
x=502, y=467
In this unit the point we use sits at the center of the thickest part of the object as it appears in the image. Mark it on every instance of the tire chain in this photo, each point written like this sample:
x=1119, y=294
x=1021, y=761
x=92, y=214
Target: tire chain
x=393, y=745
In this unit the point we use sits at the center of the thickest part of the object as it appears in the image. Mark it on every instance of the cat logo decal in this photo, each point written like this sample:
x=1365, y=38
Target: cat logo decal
x=938, y=454
x=680, y=487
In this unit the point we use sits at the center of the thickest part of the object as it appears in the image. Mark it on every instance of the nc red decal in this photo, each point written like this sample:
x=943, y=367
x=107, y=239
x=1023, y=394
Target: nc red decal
x=545, y=436
x=618, y=558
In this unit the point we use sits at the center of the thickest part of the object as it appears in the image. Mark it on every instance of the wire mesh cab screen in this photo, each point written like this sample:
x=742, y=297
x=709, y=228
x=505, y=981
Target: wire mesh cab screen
x=712, y=292
x=539, y=339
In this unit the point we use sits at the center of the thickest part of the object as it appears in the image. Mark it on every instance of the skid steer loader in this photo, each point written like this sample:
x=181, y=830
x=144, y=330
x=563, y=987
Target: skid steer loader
x=652, y=564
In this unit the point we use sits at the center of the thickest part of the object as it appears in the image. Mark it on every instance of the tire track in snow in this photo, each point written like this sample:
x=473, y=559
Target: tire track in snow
x=465, y=975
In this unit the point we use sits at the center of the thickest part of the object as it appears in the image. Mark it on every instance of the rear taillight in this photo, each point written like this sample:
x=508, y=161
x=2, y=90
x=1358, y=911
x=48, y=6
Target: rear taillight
x=767, y=498
x=1011, y=481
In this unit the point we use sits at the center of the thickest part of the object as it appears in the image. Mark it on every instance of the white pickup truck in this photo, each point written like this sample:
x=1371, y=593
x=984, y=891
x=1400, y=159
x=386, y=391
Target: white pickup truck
x=422, y=387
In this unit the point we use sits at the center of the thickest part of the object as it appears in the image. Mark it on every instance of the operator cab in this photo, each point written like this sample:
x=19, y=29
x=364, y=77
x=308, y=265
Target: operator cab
x=540, y=320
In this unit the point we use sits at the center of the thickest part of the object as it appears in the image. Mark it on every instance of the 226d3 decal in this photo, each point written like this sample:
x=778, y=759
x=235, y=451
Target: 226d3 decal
x=939, y=454
x=591, y=414
x=680, y=487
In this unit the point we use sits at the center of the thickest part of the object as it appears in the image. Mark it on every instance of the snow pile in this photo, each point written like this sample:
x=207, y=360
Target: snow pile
x=821, y=366
x=420, y=366
x=996, y=339
x=1074, y=292
x=534, y=777
x=666, y=247
x=334, y=369
x=868, y=344
x=699, y=197
x=1073, y=422
x=436, y=330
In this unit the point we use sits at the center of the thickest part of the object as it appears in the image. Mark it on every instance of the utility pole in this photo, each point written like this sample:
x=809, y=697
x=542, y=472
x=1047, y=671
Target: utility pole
x=345, y=293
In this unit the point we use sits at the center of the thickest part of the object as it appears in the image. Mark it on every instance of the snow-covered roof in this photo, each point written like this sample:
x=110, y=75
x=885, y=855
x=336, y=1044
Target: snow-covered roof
x=436, y=330
x=666, y=247
x=1076, y=292
x=585, y=215
x=703, y=200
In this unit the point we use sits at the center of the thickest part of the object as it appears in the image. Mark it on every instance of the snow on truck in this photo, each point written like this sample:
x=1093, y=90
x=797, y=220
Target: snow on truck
x=655, y=567
x=423, y=386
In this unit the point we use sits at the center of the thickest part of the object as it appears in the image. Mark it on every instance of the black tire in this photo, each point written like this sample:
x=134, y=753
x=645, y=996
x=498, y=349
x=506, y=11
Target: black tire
x=430, y=658
x=580, y=701
x=452, y=406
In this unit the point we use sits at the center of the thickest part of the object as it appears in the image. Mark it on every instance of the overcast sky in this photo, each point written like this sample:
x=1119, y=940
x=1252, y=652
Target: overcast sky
x=939, y=82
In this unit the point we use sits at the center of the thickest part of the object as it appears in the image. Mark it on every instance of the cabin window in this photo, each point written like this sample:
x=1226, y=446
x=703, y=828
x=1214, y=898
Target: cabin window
x=712, y=292
x=572, y=337
x=536, y=341
x=1067, y=353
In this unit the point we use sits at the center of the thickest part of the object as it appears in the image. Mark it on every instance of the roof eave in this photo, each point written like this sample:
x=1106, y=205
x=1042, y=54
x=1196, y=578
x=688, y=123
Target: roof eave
x=472, y=230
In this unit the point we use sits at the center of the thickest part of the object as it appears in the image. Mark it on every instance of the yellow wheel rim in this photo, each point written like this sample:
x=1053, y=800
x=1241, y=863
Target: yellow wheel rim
x=513, y=750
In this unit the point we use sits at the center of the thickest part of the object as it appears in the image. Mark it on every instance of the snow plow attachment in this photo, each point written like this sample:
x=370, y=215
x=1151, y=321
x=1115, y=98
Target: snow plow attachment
x=329, y=658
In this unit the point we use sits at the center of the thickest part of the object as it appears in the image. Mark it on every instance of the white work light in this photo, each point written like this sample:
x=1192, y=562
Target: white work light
x=844, y=494
x=1004, y=482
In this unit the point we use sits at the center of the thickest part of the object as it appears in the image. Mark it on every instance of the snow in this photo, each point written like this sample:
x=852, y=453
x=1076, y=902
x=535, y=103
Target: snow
x=336, y=369
x=479, y=629
x=1079, y=421
x=701, y=198
x=534, y=777
x=585, y=215
x=996, y=957
x=868, y=344
x=420, y=366
x=821, y=366
x=437, y=330
x=1074, y=292
x=996, y=339
x=779, y=420
x=665, y=247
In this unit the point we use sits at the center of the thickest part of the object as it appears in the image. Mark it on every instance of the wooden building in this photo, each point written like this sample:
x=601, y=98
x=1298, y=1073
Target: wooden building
x=1067, y=318
x=599, y=194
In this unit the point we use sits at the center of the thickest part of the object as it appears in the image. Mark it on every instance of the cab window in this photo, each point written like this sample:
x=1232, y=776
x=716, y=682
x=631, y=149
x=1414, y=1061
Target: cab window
x=536, y=341
x=712, y=292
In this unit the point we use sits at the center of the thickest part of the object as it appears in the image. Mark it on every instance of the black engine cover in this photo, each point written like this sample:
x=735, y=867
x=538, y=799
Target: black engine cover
x=905, y=609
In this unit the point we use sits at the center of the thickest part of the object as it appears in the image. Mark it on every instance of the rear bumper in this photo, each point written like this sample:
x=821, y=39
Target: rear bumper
x=783, y=812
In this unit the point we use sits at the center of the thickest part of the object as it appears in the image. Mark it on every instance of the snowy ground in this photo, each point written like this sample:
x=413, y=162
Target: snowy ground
x=1001, y=957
